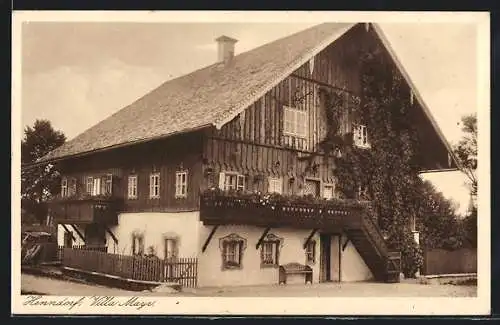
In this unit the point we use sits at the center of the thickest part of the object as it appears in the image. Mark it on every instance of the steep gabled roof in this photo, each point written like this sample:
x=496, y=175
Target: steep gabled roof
x=211, y=96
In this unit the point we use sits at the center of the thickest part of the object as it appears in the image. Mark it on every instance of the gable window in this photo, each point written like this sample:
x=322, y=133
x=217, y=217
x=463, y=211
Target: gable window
x=232, y=247
x=89, y=185
x=360, y=136
x=181, y=184
x=295, y=122
x=137, y=244
x=270, y=251
x=275, y=185
x=329, y=191
x=311, y=251
x=231, y=181
x=64, y=187
x=132, y=187
x=154, y=185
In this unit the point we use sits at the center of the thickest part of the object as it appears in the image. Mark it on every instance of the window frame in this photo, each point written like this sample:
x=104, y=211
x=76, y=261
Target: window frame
x=328, y=185
x=297, y=130
x=108, y=184
x=140, y=242
x=181, y=187
x=152, y=186
x=275, y=243
x=240, y=181
x=64, y=187
x=240, y=246
x=132, y=195
x=89, y=185
x=360, y=131
x=271, y=188
x=175, y=251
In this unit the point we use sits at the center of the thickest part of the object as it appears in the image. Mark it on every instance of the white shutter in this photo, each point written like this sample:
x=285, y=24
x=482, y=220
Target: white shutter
x=222, y=180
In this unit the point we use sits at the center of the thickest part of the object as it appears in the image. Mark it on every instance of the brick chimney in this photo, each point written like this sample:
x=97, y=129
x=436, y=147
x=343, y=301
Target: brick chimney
x=225, y=48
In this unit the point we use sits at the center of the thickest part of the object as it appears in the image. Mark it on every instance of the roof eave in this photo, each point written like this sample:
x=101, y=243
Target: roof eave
x=121, y=145
x=417, y=95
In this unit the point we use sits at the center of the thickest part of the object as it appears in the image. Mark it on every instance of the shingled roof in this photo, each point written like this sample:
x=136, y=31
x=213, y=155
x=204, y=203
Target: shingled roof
x=211, y=96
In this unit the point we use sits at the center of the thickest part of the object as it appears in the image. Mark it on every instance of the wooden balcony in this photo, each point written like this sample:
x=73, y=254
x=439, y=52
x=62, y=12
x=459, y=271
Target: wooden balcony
x=75, y=210
x=219, y=209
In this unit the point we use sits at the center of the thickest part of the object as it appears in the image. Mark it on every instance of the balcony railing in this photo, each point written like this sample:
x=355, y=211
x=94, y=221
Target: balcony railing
x=224, y=208
x=87, y=209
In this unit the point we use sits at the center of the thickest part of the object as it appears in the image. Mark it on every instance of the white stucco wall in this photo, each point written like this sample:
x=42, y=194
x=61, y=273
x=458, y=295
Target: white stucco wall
x=154, y=227
x=210, y=271
x=60, y=234
x=352, y=265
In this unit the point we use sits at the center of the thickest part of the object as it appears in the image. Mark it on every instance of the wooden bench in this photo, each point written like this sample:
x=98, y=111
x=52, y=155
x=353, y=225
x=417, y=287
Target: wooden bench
x=292, y=269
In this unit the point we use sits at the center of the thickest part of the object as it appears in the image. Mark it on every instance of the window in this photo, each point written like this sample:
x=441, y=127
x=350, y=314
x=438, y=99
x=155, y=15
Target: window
x=270, y=251
x=180, y=184
x=295, y=122
x=360, y=136
x=231, y=181
x=108, y=184
x=232, y=247
x=154, y=185
x=64, y=187
x=96, y=190
x=170, y=248
x=311, y=252
x=89, y=185
x=132, y=187
x=275, y=185
x=329, y=191
x=137, y=244
x=363, y=193
x=312, y=187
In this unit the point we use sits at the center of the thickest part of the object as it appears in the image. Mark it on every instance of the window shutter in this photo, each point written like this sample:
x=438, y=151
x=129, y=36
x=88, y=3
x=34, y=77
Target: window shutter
x=222, y=180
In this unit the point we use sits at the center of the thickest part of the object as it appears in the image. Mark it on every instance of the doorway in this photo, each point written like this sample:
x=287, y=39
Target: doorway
x=325, y=257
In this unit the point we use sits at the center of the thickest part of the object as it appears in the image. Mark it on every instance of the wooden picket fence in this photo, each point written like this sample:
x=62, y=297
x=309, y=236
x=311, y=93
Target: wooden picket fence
x=179, y=270
x=60, y=249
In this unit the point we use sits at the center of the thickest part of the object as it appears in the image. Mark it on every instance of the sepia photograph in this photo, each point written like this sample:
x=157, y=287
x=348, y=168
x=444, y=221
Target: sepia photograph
x=172, y=157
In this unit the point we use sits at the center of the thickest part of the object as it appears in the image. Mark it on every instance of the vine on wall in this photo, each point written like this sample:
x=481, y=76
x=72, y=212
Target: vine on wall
x=389, y=169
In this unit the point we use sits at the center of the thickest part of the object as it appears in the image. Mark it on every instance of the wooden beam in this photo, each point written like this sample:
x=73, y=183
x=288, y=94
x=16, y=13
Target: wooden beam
x=309, y=238
x=209, y=238
x=262, y=237
x=345, y=244
x=111, y=234
x=69, y=232
x=324, y=84
x=78, y=232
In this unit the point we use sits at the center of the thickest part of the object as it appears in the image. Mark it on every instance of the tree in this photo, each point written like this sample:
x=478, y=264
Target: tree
x=40, y=183
x=466, y=151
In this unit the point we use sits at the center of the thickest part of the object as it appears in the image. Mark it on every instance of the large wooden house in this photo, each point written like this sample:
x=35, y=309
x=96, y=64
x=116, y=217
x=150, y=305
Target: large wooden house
x=142, y=180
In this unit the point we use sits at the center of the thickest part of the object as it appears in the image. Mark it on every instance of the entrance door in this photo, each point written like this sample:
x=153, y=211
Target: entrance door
x=325, y=257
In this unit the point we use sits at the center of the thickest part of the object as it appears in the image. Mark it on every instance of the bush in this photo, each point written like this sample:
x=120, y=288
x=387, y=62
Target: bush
x=412, y=257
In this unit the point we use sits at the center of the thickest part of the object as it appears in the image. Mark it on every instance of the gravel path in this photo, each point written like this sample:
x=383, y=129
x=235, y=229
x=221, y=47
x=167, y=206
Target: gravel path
x=42, y=285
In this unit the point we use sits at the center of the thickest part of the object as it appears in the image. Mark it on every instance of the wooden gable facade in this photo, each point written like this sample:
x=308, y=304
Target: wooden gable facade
x=256, y=144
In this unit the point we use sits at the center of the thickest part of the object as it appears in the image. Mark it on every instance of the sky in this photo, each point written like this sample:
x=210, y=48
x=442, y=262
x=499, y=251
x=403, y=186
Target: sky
x=76, y=74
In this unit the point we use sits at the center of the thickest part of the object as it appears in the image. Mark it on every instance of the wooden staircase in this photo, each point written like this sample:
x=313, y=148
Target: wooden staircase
x=370, y=244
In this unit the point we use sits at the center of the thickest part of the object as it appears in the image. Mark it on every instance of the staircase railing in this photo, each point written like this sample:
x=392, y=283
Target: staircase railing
x=392, y=259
